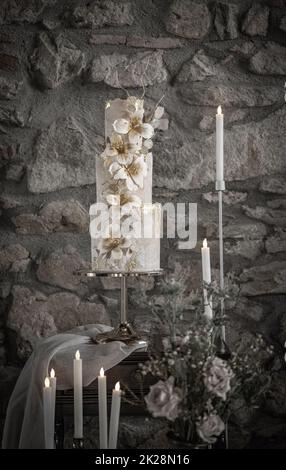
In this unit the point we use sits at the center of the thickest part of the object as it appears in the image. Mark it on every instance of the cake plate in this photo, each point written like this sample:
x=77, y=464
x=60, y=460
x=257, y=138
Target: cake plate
x=124, y=331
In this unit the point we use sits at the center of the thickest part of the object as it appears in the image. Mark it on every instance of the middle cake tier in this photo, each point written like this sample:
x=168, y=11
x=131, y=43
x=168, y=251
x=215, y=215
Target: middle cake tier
x=125, y=243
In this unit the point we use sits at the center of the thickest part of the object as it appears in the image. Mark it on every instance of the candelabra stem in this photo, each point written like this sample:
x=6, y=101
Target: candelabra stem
x=221, y=279
x=221, y=270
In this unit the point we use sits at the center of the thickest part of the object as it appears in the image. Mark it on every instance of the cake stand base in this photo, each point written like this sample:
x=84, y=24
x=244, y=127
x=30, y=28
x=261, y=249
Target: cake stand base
x=124, y=332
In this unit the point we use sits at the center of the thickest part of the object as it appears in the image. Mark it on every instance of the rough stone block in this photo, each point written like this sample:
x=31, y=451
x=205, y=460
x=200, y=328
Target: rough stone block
x=198, y=68
x=56, y=216
x=277, y=242
x=14, y=258
x=15, y=172
x=230, y=198
x=12, y=116
x=33, y=316
x=266, y=279
x=274, y=185
x=64, y=156
x=245, y=230
x=226, y=20
x=23, y=11
x=60, y=267
x=270, y=60
x=134, y=70
x=188, y=19
x=99, y=14
x=9, y=87
x=228, y=94
x=256, y=20
x=56, y=61
x=268, y=216
x=249, y=249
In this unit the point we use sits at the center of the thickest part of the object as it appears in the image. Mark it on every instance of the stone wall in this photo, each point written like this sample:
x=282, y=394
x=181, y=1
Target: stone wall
x=60, y=61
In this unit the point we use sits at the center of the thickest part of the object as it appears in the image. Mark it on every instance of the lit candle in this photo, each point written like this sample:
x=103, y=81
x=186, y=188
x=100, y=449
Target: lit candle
x=53, y=383
x=219, y=149
x=102, y=410
x=78, y=412
x=47, y=402
x=114, y=417
x=206, y=267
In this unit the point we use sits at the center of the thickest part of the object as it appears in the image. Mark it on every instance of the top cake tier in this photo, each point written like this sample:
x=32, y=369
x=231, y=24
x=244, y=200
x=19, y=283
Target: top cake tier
x=127, y=162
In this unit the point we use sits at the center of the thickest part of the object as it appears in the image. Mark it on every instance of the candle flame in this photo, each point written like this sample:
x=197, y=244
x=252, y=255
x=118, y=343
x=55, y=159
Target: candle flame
x=52, y=374
x=219, y=111
x=101, y=373
x=205, y=243
x=77, y=355
x=47, y=382
x=117, y=386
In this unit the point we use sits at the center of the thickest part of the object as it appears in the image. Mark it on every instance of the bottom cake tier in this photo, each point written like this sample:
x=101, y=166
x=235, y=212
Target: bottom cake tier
x=133, y=244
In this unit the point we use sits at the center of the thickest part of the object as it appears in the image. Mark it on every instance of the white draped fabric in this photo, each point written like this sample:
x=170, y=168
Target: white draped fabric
x=24, y=426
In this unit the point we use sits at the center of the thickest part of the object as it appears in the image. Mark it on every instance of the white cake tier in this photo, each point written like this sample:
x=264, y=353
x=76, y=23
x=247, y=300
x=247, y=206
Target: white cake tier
x=105, y=181
x=130, y=246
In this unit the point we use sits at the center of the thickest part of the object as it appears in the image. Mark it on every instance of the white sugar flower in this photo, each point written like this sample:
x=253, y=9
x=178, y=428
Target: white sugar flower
x=134, y=127
x=114, y=248
x=126, y=200
x=133, y=173
x=119, y=148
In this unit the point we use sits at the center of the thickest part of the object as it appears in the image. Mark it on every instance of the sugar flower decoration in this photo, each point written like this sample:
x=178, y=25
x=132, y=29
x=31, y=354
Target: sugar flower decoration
x=114, y=248
x=134, y=127
x=133, y=173
x=126, y=200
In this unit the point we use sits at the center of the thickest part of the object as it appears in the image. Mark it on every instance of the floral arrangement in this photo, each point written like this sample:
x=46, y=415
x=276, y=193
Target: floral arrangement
x=197, y=387
x=127, y=162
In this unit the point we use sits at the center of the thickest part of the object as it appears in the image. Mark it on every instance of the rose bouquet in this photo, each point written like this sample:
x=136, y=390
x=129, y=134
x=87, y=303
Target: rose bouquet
x=197, y=388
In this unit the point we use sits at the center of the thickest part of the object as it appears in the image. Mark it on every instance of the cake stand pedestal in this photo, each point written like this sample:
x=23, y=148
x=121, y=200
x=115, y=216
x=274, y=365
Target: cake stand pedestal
x=124, y=331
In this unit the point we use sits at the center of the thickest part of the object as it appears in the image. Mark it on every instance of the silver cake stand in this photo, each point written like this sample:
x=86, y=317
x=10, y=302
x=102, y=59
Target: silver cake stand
x=124, y=331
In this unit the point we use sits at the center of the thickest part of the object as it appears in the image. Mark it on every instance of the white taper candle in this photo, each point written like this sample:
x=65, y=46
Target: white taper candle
x=53, y=383
x=206, y=268
x=78, y=407
x=102, y=410
x=47, y=404
x=219, y=148
x=114, y=417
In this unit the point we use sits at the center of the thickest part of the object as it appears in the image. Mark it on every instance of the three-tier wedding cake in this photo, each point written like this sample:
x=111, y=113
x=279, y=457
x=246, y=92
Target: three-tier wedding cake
x=125, y=226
